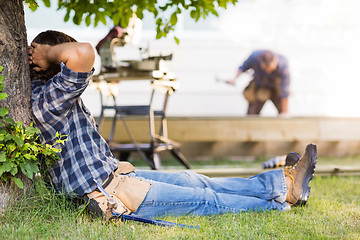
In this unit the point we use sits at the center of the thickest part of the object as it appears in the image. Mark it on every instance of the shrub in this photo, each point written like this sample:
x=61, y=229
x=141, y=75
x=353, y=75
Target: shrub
x=20, y=147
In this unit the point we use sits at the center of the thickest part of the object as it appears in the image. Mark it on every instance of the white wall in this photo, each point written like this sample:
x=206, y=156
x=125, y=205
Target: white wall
x=319, y=37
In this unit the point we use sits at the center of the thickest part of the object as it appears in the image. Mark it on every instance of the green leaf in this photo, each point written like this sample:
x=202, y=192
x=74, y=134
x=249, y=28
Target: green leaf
x=34, y=148
x=67, y=16
x=116, y=18
x=18, y=141
x=140, y=14
x=4, y=111
x=29, y=156
x=29, y=169
x=18, y=182
x=47, y=3
x=19, y=126
x=54, y=150
x=102, y=19
x=3, y=95
x=6, y=167
x=17, y=156
x=61, y=139
x=32, y=131
x=88, y=20
x=159, y=35
x=173, y=19
x=1, y=68
x=10, y=147
x=158, y=21
x=7, y=137
x=32, y=4
x=96, y=20
x=1, y=170
x=14, y=171
x=176, y=40
x=25, y=147
x=77, y=18
x=193, y=14
x=8, y=120
x=2, y=156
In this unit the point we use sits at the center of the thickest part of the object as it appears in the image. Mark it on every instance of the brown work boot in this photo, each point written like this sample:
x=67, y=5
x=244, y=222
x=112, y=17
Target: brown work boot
x=292, y=158
x=298, y=177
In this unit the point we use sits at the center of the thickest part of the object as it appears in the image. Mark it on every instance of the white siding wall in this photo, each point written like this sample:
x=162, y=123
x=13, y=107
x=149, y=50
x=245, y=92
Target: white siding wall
x=319, y=37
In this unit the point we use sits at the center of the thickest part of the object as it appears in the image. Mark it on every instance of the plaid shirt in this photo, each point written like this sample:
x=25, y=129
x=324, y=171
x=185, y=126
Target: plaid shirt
x=263, y=79
x=57, y=107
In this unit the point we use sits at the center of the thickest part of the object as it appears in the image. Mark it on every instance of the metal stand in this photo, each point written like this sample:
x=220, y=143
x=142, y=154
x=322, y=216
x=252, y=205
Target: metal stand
x=158, y=141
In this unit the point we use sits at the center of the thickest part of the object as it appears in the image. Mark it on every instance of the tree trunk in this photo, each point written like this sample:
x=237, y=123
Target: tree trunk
x=14, y=59
x=17, y=84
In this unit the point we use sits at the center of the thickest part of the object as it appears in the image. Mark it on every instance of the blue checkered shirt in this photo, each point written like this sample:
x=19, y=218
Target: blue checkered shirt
x=57, y=107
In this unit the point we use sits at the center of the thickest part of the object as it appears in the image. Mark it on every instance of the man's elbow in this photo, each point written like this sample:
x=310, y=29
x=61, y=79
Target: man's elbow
x=86, y=55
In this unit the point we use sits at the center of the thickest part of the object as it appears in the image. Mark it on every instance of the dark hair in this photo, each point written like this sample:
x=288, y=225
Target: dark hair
x=51, y=38
x=266, y=58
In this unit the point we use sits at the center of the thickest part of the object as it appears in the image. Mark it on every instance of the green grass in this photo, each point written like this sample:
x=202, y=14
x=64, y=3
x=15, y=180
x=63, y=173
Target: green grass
x=333, y=212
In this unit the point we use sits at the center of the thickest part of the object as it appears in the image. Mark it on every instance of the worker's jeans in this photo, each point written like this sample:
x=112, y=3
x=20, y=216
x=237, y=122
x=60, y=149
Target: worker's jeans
x=190, y=193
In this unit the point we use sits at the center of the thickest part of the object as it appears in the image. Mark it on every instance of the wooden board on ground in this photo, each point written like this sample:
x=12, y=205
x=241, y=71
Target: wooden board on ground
x=246, y=129
x=267, y=136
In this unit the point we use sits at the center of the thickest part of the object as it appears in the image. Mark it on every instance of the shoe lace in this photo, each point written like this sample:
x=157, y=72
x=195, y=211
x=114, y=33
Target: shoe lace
x=289, y=173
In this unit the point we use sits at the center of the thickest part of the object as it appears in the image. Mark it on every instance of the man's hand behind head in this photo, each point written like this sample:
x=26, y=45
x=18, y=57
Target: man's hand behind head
x=78, y=57
x=38, y=56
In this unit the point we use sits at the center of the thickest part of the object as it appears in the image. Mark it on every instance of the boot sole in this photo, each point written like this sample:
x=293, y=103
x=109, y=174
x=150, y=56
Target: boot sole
x=311, y=149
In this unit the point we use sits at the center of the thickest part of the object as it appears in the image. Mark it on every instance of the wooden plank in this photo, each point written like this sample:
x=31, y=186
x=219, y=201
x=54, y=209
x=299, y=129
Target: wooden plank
x=335, y=129
x=245, y=129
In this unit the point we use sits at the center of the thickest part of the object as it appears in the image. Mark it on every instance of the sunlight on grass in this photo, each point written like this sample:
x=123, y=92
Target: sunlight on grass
x=333, y=211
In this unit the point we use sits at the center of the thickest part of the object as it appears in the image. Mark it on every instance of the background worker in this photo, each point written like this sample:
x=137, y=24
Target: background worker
x=271, y=81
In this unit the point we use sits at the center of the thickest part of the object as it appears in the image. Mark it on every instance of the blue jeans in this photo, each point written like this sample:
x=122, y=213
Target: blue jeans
x=194, y=194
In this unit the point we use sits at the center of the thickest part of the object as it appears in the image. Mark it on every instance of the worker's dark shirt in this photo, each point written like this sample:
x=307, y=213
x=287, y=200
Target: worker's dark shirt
x=263, y=79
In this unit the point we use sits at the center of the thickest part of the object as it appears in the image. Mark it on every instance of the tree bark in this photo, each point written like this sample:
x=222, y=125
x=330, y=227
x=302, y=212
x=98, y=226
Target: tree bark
x=17, y=84
x=14, y=59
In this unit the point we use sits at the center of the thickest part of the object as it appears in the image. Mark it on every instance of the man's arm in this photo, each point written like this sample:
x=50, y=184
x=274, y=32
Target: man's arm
x=284, y=106
x=78, y=57
x=247, y=64
x=285, y=86
x=232, y=81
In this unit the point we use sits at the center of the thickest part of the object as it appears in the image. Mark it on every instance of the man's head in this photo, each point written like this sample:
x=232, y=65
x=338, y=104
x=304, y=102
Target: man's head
x=268, y=61
x=51, y=38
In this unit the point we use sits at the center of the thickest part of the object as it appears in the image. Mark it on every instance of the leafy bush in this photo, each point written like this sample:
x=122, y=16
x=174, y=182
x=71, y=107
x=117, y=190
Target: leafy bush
x=20, y=147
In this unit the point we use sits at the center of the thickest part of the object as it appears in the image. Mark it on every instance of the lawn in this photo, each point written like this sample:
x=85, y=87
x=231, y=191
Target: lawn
x=332, y=212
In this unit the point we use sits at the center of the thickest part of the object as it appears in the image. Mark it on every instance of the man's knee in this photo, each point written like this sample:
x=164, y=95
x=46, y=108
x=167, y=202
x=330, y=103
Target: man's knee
x=195, y=179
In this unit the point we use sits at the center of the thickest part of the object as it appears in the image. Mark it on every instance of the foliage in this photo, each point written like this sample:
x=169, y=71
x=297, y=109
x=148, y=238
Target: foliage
x=165, y=12
x=20, y=147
